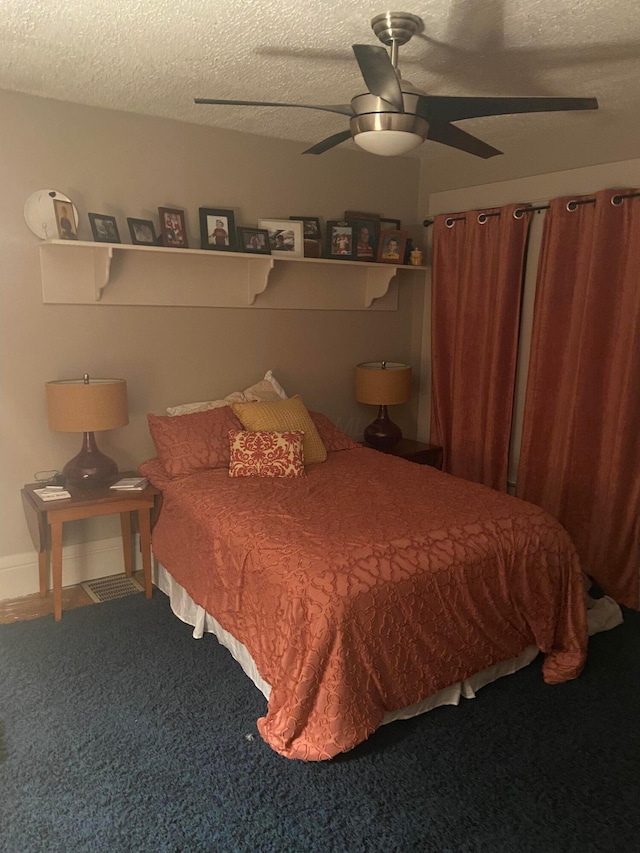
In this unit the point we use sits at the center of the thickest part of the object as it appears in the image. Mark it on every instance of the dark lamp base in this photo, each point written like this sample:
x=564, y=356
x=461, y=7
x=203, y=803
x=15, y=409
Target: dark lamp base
x=382, y=432
x=90, y=468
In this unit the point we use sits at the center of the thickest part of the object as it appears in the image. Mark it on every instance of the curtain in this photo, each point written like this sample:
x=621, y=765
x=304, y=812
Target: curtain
x=477, y=275
x=580, y=455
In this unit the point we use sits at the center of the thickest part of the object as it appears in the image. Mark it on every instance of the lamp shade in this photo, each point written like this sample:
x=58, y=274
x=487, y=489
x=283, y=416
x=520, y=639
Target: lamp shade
x=383, y=383
x=87, y=405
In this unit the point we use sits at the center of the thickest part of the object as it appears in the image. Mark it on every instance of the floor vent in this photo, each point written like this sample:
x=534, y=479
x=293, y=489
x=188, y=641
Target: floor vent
x=106, y=589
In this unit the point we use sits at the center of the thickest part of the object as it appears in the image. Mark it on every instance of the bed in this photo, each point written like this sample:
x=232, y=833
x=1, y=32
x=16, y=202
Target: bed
x=364, y=588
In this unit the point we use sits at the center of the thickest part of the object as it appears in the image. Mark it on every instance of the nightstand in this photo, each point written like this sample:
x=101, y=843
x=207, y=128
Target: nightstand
x=46, y=518
x=414, y=451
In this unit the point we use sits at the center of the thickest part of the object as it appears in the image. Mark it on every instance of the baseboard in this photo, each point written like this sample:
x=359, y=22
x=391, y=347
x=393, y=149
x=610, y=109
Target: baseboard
x=82, y=562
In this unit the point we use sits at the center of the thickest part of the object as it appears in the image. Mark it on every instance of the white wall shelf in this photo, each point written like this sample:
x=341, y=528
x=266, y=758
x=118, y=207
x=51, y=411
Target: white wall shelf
x=83, y=273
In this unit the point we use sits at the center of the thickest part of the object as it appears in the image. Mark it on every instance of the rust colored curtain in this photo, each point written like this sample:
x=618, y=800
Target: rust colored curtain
x=580, y=455
x=475, y=309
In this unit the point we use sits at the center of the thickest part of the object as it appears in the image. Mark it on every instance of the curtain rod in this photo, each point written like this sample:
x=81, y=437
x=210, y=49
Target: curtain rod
x=571, y=205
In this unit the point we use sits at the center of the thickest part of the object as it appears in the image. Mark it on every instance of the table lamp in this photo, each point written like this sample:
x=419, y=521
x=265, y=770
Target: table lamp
x=88, y=405
x=382, y=384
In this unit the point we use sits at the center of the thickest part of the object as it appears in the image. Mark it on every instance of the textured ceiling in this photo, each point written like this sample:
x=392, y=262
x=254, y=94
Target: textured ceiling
x=154, y=58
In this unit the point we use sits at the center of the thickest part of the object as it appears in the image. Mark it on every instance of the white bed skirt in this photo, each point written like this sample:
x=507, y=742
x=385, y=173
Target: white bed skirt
x=193, y=614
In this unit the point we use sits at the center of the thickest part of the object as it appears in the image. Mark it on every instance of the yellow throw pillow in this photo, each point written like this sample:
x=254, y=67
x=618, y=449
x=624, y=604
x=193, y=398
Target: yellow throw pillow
x=283, y=416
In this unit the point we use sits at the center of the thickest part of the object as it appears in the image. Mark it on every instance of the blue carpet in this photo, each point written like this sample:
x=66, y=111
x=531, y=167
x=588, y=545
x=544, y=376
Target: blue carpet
x=120, y=733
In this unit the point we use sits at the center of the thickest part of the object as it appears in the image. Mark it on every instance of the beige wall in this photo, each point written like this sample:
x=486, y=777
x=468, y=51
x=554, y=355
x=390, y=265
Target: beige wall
x=128, y=165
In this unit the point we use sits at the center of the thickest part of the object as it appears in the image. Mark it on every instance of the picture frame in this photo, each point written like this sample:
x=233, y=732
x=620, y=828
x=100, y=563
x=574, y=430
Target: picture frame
x=391, y=246
x=65, y=219
x=365, y=238
x=390, y=224
x=217, y=229
x=358, y=214
x=104, y=228
x=253, y=240
x=312, y=235
x=340, y=242
x=286, y=236
x=173, y=228
x=142, y=231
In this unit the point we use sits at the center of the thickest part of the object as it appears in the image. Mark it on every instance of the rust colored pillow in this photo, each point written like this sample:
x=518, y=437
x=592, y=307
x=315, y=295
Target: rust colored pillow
x=332, y=438
x=266, y=454
x=193, y=442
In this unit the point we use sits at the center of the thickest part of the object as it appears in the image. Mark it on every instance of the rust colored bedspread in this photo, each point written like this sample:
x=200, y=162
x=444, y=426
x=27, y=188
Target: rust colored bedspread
x=369, y=585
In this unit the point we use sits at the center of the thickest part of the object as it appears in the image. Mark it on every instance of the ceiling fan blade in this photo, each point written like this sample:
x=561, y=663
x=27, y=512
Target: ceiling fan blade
x=444, y=108
x=379, y=74
x=343, y=109
x=329, y=142
x=449, y=134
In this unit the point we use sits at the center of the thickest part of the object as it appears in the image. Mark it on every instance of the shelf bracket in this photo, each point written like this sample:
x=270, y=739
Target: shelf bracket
x=378, y=281
x=258, y=272
x=74, y=272
x=101, y=269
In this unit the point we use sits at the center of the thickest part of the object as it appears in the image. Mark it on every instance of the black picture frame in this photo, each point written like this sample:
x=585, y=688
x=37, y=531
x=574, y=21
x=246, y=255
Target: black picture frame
x=340, y=243
x=253, y=240
x=365, y=237
x=217, y=229
x=390, y=224
x=173, y=228
x=312, y=235
x=142, y=231
x=104, y=228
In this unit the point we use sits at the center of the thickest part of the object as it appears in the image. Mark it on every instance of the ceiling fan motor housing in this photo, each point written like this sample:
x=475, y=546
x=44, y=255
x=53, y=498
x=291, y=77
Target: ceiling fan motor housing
x=376, y=114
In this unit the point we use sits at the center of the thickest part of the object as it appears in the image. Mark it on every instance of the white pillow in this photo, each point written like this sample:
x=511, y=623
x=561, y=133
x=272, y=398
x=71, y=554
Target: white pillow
x=268, y=390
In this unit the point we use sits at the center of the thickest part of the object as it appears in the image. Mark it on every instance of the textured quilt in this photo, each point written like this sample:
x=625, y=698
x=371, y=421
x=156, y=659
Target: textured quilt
x=368, y=585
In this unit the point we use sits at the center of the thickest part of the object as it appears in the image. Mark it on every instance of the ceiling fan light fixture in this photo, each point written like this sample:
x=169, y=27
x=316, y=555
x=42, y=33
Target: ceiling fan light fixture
x=387, y=143
x=389, y=134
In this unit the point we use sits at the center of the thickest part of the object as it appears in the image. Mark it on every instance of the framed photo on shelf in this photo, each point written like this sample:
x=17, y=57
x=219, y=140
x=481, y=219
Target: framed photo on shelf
x=65, y=219
x=285, y=235
x=358, y=214
x=104, y=228
x=391, y=247
x=340, y=242
x=143, y=232
x=365, y=235
x=217, y=229
x=254, y=240
x=311, y=234
x=172, y=228
x=390, y=224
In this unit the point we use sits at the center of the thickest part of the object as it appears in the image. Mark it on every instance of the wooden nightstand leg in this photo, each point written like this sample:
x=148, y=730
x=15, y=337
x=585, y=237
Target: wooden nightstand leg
x=144, y=526
x=43, y=571
x=125, y=525
x=56, y=565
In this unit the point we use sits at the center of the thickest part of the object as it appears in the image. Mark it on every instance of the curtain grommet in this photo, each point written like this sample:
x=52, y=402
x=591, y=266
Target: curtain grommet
x=449, y=222
x=482, y=218
x=518, y=213
x=572, y=205
x=617, y=200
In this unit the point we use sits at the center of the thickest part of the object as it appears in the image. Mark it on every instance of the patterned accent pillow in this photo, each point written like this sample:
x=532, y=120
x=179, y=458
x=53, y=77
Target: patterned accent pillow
x=265, y=454
x=332, y=438
x=288, y=415
x=193, y=442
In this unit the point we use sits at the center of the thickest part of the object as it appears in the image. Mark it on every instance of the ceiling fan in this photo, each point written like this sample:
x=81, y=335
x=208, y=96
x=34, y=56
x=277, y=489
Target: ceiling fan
x=392, y=117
